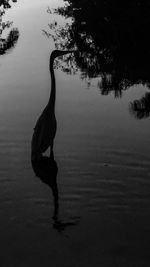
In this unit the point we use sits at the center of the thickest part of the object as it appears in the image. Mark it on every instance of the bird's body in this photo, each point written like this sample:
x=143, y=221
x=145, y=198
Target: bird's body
x=45, y=128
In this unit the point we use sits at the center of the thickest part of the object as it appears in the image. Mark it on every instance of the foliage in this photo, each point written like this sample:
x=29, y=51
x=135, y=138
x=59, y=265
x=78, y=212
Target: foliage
x=111, y=38
x=141, y=108
x=10, y=41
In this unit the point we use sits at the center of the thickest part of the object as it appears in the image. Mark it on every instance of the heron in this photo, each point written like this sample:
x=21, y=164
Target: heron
x=46, y=125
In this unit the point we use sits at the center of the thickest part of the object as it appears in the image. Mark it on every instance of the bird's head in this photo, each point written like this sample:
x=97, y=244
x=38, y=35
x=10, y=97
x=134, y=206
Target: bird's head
x=58, y=53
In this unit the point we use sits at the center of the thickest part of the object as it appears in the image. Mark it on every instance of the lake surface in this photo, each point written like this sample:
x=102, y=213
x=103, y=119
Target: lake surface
x=101, y=149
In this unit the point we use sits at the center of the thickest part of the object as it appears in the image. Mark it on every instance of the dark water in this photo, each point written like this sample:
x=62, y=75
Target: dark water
x=101, y=216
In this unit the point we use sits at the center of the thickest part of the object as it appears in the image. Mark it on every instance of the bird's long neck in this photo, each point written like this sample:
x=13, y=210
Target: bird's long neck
x=51, y=103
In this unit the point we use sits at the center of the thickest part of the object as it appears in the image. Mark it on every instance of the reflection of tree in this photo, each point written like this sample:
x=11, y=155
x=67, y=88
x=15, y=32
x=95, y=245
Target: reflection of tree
x=112, y=40
x=141, y=108
x=9, y=41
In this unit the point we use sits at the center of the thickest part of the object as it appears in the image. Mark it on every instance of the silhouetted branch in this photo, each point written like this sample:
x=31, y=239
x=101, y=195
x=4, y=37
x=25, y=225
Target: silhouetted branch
x=9, y=42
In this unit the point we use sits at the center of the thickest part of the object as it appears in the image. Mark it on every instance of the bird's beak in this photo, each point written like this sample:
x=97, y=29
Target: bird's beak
x=67, y=52
x=58, y=53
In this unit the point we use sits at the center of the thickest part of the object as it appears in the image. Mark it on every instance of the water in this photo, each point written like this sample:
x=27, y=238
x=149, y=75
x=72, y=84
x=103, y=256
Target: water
x=101, y=150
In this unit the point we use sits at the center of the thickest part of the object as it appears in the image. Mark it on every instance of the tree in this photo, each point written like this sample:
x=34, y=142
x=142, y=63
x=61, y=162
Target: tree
x=112, y=40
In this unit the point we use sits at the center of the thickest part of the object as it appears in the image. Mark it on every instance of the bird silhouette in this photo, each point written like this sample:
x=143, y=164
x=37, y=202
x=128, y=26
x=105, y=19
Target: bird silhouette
x=46, y=125
x=43, y=137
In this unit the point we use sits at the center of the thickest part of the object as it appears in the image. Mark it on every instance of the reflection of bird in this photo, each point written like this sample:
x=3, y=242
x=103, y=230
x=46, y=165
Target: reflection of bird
x=45, y=128
x=46, y=169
